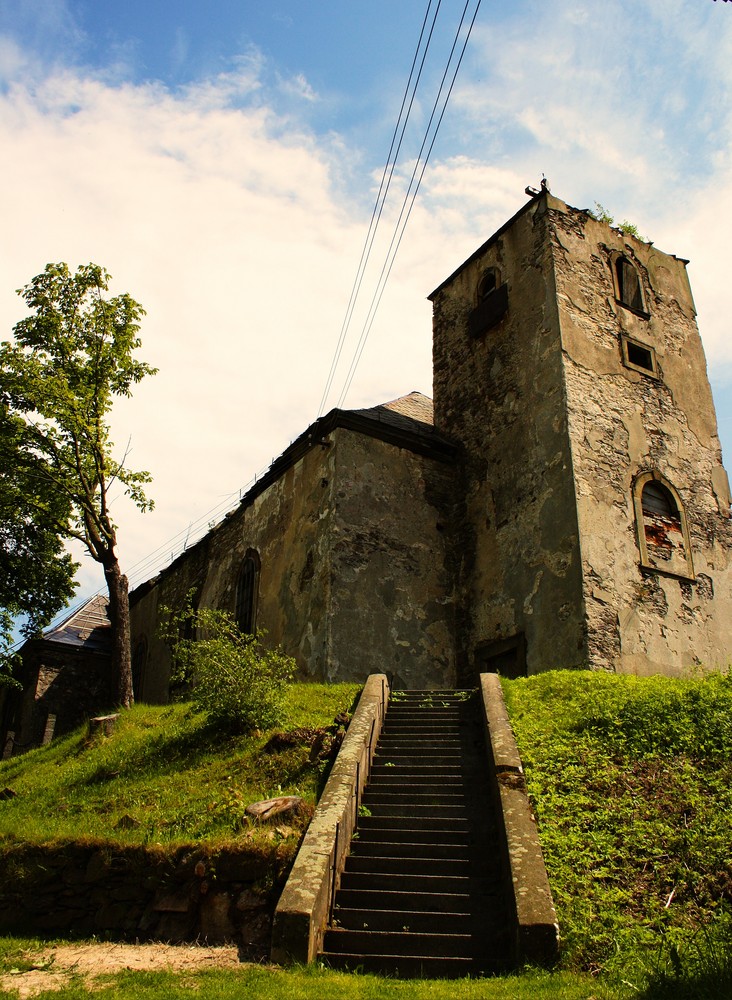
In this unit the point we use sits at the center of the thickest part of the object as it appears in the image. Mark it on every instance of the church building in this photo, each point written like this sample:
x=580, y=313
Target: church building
x=561, y=505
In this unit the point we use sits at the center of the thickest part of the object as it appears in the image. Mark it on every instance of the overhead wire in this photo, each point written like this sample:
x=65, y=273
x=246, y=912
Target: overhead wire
x=382, y=193
x=405, y=212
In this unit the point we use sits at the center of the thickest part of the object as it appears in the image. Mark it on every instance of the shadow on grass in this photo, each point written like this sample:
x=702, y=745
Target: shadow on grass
x=163, y=754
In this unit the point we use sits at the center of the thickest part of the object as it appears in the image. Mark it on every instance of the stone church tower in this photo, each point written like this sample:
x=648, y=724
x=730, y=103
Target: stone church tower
x=595, y=525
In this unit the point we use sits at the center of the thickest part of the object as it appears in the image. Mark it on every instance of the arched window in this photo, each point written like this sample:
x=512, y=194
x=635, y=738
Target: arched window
x=488, y=284
x=246, y=592
x=139, y=660
x=491, y=303
x=628, y=284
x=663, y=536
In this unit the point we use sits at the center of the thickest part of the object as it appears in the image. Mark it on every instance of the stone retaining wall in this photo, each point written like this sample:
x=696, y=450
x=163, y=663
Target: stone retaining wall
x=130, y=892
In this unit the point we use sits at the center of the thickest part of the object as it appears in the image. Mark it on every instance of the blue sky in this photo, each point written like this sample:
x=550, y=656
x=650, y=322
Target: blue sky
x=221, y=159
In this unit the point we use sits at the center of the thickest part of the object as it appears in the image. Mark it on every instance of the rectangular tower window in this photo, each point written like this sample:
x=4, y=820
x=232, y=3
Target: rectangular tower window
x=640, y=357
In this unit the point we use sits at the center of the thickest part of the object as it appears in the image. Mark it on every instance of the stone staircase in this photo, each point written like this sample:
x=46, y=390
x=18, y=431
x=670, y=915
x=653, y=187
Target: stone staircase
x=422, y=891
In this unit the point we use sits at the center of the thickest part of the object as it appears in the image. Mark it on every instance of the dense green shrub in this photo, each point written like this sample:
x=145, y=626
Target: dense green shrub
x=229, y=674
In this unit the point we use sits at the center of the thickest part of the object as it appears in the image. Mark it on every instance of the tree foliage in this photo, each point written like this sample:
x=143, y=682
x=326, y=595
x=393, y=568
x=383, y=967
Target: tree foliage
x=58, y=379
x=36, y=575
x=231, y=676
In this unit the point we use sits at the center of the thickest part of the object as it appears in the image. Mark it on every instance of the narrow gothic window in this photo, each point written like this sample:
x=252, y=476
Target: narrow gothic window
x=492, y=299
x=139, y=660
x=488, y=285
x=246, y=592
x=629, y=286
x=662, y=532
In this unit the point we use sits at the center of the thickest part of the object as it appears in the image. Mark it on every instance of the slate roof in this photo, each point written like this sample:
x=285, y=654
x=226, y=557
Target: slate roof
x=86, y=628
x=413, y=412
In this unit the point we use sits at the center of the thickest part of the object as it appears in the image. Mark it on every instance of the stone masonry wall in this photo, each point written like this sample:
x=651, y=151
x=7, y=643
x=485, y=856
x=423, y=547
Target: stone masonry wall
x=501, y=395
x=623, y=422
x=135, y=893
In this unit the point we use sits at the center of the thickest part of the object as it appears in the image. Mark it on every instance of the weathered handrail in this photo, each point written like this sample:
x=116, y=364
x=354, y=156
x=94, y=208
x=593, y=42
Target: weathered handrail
x=537, y=932
x=303, y=910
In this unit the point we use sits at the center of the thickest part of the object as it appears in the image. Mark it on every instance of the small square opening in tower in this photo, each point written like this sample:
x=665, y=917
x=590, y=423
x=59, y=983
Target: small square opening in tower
x=640, y=357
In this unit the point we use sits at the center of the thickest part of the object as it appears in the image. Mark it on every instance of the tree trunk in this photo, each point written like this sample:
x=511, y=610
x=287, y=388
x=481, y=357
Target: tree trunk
x=119, y=613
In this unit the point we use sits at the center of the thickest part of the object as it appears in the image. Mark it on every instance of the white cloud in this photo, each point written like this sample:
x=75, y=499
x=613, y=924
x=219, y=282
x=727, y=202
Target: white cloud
x=230, y=236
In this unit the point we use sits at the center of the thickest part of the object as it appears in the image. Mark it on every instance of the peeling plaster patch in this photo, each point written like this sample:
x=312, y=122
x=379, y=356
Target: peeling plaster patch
x=528, y=609
x=720, y=485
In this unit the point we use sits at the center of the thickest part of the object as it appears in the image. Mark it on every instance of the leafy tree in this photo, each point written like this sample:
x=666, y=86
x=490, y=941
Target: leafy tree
x=36, y=575
x=238, y=683
x=58, y=380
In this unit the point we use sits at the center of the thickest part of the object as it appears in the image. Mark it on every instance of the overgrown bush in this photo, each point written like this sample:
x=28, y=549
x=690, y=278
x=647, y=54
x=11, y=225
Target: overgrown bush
x=229, y=674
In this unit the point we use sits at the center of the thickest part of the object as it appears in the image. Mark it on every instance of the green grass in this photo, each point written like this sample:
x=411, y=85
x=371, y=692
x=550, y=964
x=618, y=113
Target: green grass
x=311, y=983
x=165, y=777
x=631, y=783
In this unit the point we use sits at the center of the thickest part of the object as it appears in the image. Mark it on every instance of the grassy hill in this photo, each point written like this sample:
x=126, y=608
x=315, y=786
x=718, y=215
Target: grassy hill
x=166, y=776
x=631, y=781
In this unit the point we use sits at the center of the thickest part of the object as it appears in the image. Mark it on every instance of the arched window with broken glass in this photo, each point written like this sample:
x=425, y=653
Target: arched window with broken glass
x=663, y=536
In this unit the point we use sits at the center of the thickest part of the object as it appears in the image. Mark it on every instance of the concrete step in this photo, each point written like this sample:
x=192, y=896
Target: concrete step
x=428, y=824
x=430, y=811
x=364, y=848
x=423, y=921
x=425, y=756
x=402, y=943
x=420, y=784
x=460, y=885
x=397, y=900
x=417, y=772
x=387, y=830
x=398, y=796
x=408, y=735
x=405, y=865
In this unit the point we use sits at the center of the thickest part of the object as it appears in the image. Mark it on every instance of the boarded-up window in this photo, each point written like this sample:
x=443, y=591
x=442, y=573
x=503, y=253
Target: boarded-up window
x=629, y=286
x=246, y=593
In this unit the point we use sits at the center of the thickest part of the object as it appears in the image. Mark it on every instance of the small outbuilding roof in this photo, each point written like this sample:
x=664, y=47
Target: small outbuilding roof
x=88, y=627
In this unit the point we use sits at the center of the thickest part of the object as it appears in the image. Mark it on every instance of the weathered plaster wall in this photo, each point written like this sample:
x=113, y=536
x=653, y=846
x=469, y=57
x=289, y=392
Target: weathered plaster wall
x=391, y=581
x=501, y=394
x=288, y=525
x=354, y=577
x=622, y=423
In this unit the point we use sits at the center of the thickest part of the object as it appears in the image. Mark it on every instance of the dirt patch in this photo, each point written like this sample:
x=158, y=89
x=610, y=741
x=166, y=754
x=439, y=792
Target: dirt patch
x=55, y=966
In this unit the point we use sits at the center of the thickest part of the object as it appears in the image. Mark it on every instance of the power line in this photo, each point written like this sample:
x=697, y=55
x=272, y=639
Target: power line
x=405, y=212
x=383, y=191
